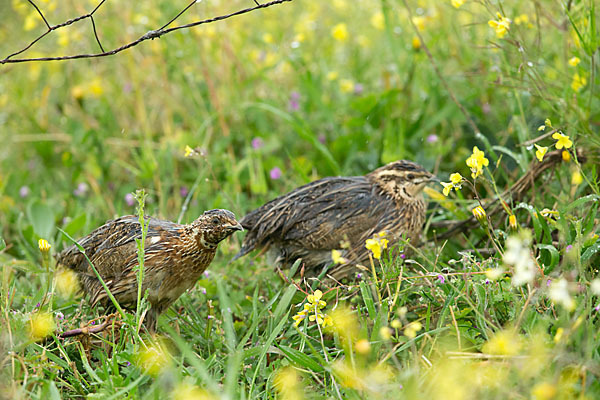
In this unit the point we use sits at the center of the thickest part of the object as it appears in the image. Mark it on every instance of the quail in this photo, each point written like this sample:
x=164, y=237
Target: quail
x=339, y=213
x=175, y=257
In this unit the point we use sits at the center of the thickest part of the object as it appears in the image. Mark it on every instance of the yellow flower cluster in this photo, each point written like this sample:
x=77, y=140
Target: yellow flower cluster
x=287, y=383
x=562, y=142
x=455, y=183
x=501, y=26
x=377, y=244
x=312, y=310
x=66, y=282
x=336, y=257
x=578, y=82
x=476, y=162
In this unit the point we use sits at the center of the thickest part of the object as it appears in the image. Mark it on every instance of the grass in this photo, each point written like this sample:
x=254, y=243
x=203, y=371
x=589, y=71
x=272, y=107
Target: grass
x=309, y=89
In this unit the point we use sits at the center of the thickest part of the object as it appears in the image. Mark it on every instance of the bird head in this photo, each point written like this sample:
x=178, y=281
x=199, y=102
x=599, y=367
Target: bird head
x=214, y=226
x=402, y=179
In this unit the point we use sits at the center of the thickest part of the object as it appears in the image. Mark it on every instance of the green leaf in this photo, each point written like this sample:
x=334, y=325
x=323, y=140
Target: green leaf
x=554, y=257
x=301, y=359
x=590, y=251
x=284, y=303
x=41, y=218
x=366, y=295
x=75, y=225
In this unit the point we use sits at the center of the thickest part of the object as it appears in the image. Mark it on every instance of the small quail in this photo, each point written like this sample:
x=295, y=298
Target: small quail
x=312, y=220
x=175, y=257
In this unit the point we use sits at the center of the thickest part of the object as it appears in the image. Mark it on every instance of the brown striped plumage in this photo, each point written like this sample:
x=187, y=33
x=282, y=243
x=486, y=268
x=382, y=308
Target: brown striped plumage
x=318, y=217
x=175, y=257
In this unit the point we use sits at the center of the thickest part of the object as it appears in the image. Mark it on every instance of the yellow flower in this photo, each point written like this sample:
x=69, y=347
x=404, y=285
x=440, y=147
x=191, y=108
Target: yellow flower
x=43, y=245
x=501, y=26
x=447, y=187
x=336, y=257
x=411, y=330
x=456, y=178
x=512, y=221
x=267, y=38
x=457, y=3
x=576, y=178
x=479, y=214
x=344, y=323
x=543, y=391
x=377, y=244
x=385, y=333
x=41, y=325
x=506, y=343
x=476, y=162
x=574, y=61
x=66, y=282
x=378, y=21
x=327, y=321
x=416, y=43
x=363, y=346
x=346, y=85
x=153, y=359
x=287, y=383
x=188, y=391
x=31, y=21
x=562, y=141
x=298, y=318
x=340, y=32
x=332, y=75
x=540, y=152
x=522, y=19
x=578, y=82
x=189, y=152
x=396, y=324
x=559, y=334
x=315, y=299
x=419, y=22
x=566, y=156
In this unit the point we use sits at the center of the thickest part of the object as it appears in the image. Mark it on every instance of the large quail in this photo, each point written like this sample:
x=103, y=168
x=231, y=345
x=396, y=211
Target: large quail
x=175, y=257
x=339, y=213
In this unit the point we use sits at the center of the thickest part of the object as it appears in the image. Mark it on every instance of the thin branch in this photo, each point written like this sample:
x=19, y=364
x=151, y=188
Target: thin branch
x=149, y=35
x=178, y=15
x=96, y=34
x=41, y=15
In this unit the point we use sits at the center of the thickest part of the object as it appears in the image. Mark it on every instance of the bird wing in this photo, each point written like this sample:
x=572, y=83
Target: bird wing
x=112, y=246
x=318, y=215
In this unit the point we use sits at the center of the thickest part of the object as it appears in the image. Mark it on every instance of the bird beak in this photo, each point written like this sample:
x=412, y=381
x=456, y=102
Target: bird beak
x=434, y=178
x=236, y=227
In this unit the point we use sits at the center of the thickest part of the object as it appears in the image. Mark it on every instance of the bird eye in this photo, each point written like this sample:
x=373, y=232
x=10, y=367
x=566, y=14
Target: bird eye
x=411, y=177
x=215, y=221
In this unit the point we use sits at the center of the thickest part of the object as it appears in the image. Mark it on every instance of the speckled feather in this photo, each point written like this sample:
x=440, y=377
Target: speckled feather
x=315, y=218
x=175, y=257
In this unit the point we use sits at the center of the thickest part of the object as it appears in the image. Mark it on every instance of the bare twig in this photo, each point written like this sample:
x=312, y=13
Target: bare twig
x=149, y=35
x=90, y=329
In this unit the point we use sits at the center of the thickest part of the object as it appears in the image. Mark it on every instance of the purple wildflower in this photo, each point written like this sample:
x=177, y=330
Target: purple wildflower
x=441, y=278
x=359, y=275
x=568, y=248
x=206, y=274
x=432, y=138
x=81, y=189
x=358, y=89
x=60, y=315
x=294, y=103
x=322, y=138
x=203, y=290
x=257, y=143
x=24, y=191
x=597, y=308
x=37, y=305
x=403, y=256
x=548, y=282
x=487, y=282
x=127, y=364
x=275, y=173
x=129, y=199
x=183, y=191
